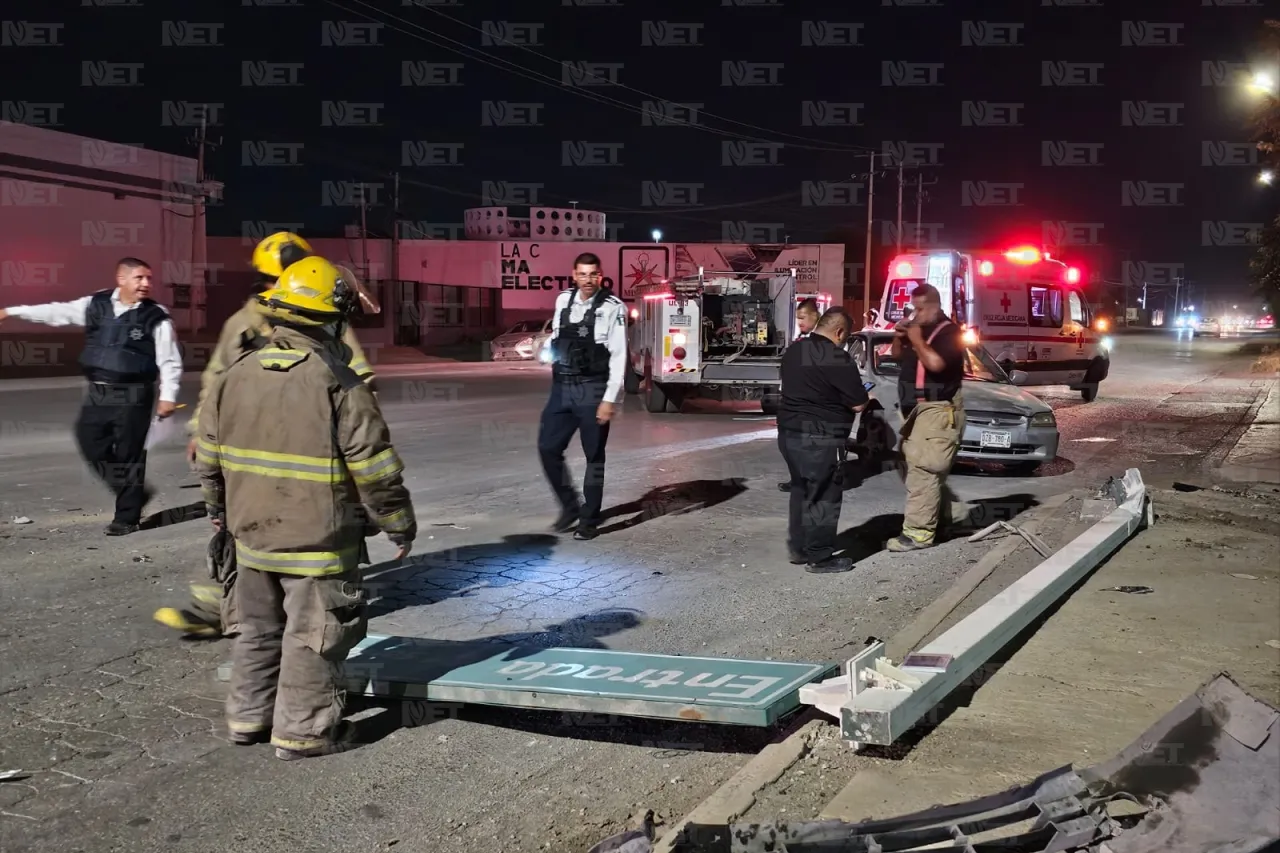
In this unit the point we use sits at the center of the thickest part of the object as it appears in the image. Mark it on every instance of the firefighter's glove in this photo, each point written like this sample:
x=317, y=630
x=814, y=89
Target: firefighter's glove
x=402, y=542
x=217, y=517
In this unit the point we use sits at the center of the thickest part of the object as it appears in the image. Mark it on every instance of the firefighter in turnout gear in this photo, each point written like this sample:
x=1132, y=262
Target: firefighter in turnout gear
x=295, y=461
x=212, y=609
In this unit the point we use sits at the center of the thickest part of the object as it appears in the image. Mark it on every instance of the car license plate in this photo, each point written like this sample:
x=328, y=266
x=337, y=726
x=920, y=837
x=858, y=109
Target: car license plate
x=995, y=439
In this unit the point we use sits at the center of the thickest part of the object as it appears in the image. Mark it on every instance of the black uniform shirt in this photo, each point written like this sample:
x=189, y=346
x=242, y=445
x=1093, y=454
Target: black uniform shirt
x=943, y=385
x=820, y=386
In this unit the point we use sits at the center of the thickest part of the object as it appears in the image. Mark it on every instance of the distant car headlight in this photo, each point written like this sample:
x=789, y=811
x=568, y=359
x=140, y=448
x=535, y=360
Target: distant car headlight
x=1043, y=419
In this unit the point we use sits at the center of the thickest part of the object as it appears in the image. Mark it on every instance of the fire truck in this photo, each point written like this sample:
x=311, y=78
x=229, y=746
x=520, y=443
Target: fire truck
x=716, y=335
x=1024, y=307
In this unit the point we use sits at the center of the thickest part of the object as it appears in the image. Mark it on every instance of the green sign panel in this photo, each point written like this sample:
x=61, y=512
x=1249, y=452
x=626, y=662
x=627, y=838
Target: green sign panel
x=719, y=690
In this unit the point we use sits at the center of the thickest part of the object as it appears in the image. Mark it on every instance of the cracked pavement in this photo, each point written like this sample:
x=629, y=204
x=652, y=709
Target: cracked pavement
x=118, y=722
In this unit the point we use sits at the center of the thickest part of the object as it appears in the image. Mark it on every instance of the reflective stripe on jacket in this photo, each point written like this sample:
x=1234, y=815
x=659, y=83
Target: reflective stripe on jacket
x=292, y=446
x=240, y=333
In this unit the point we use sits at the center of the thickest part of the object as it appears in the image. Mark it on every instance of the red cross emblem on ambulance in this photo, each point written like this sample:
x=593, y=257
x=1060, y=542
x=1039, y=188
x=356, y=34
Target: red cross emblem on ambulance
x=1005, y=302
x=901, y=297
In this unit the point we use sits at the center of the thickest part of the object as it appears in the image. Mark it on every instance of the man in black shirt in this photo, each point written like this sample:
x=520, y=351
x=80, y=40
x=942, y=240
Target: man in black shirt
x=930, y=349
x=821, y=391
x=807, y=315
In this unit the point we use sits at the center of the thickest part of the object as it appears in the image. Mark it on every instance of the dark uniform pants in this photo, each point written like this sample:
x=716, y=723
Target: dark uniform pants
x=816, y=493
x=112, y=434
x=287, y=660
x=572, y=408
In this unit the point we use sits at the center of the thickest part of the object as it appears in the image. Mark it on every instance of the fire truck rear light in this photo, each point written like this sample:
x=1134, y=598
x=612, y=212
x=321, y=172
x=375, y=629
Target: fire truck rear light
x=653, y=297
x=903, y=269
x=635, y=312
x=1073, y=275
x=1024, y=255
x=678, y=353
x=986, y=268
x=679, y=340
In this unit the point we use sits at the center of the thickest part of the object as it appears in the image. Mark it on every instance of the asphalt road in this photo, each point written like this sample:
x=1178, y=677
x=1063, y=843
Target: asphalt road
x=119, y=722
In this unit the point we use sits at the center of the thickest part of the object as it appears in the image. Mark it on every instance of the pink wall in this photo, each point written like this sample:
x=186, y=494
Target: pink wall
x=70, y=207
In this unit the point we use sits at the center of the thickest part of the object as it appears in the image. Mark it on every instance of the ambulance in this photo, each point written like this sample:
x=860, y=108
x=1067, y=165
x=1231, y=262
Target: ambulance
x=1024, y=307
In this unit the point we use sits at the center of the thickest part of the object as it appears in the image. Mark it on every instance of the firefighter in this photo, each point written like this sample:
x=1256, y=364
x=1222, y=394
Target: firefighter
x=295, y=460
x=930, y=351
x=212, y=609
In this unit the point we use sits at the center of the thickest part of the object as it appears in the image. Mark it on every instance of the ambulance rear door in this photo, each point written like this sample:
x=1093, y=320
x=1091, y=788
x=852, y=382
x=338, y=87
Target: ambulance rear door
x=1001, y=313
x=1051, y=342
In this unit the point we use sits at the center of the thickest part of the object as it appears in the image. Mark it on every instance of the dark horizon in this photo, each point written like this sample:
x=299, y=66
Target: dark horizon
x=1119, y=128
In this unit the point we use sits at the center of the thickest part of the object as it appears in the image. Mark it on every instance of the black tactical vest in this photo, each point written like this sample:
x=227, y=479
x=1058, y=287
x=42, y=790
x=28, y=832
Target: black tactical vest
x=120, y=349
x=577, y=354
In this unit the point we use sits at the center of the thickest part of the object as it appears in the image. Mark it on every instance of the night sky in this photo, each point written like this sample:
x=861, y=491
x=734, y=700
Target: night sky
x=1006, y=152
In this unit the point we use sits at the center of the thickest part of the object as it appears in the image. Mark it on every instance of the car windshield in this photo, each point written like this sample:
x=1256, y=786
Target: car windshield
x=526, y=326
x=979, y=366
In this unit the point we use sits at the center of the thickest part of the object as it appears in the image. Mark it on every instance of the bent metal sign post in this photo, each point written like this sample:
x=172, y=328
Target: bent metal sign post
x=742, y=692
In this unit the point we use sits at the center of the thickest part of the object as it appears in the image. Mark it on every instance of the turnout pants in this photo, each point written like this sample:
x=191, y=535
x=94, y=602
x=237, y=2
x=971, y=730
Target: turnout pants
x=816, y=493
x=287, y=660
x=930, y=440
x=572, y=408
x=112, y=434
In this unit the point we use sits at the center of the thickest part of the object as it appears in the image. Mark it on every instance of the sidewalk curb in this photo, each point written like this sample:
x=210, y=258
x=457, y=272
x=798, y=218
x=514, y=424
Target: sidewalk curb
x=736, y=796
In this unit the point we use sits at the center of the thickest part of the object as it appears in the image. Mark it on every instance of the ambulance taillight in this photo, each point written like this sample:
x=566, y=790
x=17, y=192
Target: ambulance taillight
x=1073, y=275
x=903, y=269
x=986, y=268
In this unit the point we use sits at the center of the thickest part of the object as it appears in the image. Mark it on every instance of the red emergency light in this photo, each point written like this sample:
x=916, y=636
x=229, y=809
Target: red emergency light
x=1072, y=275
x=903, y=269
x=1024, y=255
x=653, y=297
x=986, y=268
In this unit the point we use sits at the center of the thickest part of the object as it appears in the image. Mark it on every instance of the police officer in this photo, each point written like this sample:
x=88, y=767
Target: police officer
x=589, y=359
x=295, y=459
x=929, y=347
x=821, y=391
x=212, y=609
x=129, y=344
x=807, y=315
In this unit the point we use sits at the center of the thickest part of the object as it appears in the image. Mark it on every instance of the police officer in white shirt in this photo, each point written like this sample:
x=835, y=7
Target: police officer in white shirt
x=129, y=344
x=589, y=358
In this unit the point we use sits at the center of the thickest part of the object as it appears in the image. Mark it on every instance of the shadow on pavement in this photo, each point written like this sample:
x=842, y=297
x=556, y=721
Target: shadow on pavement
x=867, y=539
x=176, y=515
x=673, y=499
x=457, y=572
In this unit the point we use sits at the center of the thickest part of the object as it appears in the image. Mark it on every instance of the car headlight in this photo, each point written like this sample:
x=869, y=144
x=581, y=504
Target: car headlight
x=1107, y=344
x=1043, y=419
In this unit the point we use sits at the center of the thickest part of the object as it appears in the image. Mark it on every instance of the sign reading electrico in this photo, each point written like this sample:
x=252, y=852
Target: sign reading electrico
x=537, y=266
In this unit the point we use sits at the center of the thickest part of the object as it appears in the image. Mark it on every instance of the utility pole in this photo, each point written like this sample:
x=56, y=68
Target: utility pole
x=364, y=237
x=395, y=228
x=196, y=291
x=1177, y=295
x=919, y=205
x=866, y=267
x=900, y=181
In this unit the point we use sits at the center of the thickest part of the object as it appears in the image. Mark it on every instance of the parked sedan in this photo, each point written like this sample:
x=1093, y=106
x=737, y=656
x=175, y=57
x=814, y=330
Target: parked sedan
x=522, y=342
x=1003, y=423
x=1209, y=326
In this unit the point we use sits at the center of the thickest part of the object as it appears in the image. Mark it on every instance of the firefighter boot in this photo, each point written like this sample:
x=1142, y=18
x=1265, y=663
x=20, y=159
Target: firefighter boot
x=202, y=618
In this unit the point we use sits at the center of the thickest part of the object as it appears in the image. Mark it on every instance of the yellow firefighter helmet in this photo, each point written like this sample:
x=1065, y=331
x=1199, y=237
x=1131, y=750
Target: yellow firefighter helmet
x=278, y=251
x=312, y=287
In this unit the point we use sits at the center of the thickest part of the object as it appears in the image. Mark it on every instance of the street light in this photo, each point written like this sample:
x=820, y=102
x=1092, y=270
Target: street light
x=656, y=235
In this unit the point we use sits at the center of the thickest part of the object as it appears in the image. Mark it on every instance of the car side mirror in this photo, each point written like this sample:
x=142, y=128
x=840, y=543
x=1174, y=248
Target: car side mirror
x=1019, y=377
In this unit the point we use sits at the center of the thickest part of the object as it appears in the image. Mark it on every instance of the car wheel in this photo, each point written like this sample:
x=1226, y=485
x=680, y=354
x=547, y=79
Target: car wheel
x=769, y=404
x=1089, y=392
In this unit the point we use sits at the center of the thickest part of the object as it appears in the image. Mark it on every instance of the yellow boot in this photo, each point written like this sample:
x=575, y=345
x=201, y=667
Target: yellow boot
x=202, y=618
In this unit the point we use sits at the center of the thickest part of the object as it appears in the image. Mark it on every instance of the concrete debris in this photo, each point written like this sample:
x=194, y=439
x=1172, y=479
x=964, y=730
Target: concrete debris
x=1243, y=576
x=1200, y=779
x=21, y=519
x=13, y=775
x=1131, y=590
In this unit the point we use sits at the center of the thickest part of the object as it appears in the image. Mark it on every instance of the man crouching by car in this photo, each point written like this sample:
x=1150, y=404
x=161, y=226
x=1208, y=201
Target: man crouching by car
x=821, y=390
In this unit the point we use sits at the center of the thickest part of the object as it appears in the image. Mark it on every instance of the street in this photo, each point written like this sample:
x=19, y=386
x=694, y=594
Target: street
x=119, y=722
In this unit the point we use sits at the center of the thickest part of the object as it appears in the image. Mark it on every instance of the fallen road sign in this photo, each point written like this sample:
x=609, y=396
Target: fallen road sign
x=602, y=681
